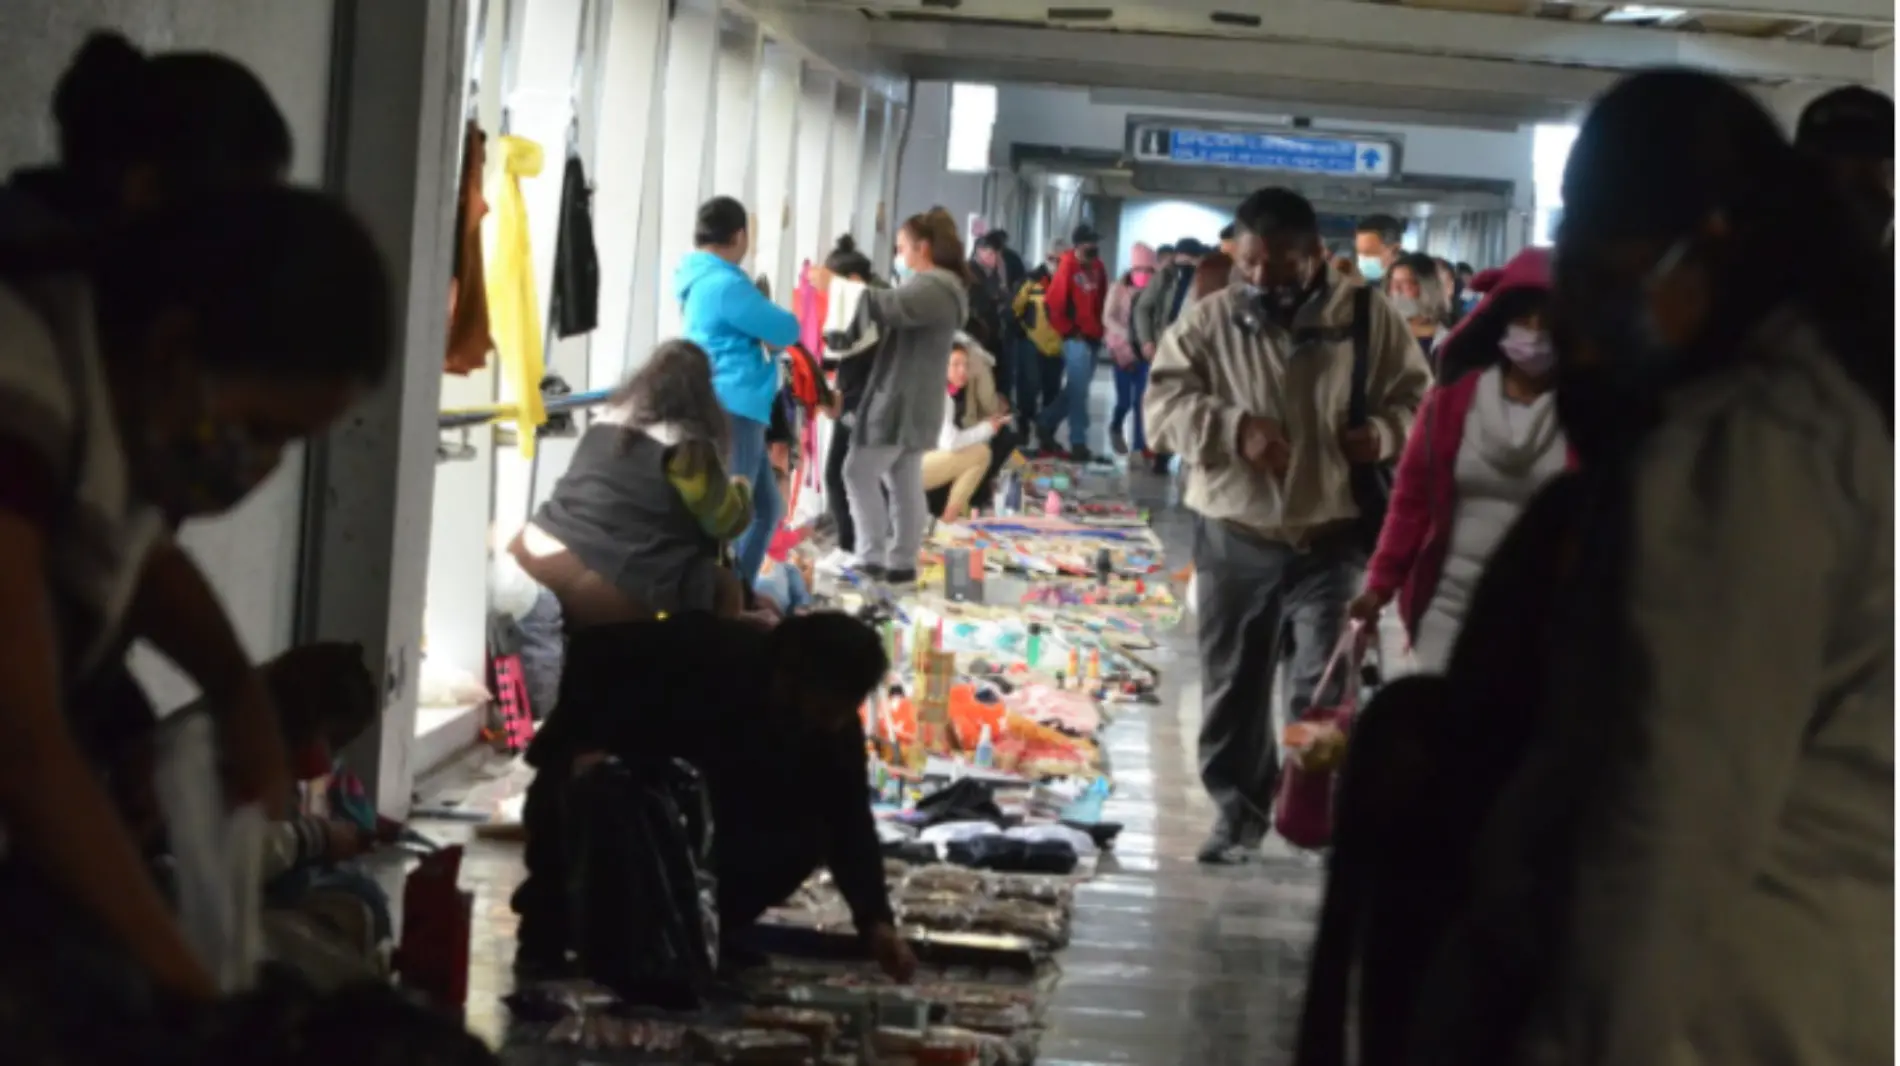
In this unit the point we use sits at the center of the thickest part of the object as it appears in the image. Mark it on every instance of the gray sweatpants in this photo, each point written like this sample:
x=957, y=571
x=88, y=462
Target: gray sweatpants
x=1246, y=590
x=889, y=532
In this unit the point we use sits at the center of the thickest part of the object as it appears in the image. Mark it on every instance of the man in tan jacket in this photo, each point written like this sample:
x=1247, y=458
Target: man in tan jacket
x=1251, y=388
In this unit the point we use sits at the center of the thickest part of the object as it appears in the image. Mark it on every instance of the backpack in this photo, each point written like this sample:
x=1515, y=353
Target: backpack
x=642, y=894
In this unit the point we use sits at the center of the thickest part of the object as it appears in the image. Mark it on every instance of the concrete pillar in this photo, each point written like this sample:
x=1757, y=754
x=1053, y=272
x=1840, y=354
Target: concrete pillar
x=736, y=122
x=847, y=162
x=811, y=216
x=632, y=78
x=393, y=150
x=772, y=245
x=692, y=59
x=879, y=146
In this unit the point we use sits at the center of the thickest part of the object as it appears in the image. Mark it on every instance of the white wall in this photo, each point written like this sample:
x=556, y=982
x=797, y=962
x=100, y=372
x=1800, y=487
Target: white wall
x=1883, y=62
x=251, y=554
x=1068, y=118
x=922, y=181
x=1159, y=222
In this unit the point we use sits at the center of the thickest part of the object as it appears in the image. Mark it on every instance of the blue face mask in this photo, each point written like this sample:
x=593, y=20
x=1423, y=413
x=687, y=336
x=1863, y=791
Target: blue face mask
x=1372, y=267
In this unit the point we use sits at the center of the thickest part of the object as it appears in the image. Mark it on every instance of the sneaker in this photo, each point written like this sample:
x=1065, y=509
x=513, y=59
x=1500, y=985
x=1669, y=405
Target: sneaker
x=1116, y=441
x=1081, y=454
x=1228, y=845
x=900, y=578
x=837, y=562
x=870, y=571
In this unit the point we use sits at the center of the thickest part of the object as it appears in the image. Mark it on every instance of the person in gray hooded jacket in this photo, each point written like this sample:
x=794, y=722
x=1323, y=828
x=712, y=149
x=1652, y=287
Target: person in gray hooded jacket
x=901, y=411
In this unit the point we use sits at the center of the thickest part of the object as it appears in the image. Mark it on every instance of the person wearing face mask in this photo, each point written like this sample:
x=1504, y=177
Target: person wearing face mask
x=1412, y=285
x=1378, y=241
x=1251, y=388
x=1486, y=441
x=1690, y=858
x=1850, y=130
x=899, y=416
x=143, y=395
x=1077, y=296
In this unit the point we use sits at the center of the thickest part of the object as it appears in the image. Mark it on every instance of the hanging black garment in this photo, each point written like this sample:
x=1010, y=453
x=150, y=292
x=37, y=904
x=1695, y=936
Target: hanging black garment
x=576, y=299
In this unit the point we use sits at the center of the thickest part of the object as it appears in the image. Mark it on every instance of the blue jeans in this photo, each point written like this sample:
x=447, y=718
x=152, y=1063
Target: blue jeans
x=753, y=461
x=1078, y=363
x=1131, y=385
x=1038, y=383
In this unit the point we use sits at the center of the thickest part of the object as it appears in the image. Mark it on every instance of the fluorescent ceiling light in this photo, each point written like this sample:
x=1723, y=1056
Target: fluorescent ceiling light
x=1643, y=13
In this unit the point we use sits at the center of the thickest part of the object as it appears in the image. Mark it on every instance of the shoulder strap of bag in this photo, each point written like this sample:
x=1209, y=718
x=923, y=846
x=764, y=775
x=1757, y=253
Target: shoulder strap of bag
x=1356, y=414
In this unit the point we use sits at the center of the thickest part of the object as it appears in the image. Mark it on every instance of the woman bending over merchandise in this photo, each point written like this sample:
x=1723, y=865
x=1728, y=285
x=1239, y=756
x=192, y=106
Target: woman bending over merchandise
x=901, y=411
x=636, y=526
x=165, y=371
x=975, y=440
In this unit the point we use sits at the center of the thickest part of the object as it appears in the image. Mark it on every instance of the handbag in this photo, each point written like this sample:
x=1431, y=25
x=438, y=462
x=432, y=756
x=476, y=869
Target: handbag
x=1371, y=482
x=1315, y=747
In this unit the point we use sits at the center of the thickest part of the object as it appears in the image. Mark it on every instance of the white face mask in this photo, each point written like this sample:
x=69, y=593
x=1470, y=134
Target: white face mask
x=1529, y=348
x=1407, y=307
x=1372, y=267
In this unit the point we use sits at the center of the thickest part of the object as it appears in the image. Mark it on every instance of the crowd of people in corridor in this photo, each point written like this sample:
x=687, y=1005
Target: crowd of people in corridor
x=1633, y=506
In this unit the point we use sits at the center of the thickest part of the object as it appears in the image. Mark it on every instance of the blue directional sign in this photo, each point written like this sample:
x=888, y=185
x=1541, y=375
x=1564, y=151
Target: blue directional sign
x=1342, y=157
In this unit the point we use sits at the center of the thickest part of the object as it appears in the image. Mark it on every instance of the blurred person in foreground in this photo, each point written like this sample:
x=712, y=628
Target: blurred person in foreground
x=1692, y=861
x=1850, y=130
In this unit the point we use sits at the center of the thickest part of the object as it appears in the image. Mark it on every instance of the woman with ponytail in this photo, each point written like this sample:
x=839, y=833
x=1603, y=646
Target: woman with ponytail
x=136, y=131
x=901, y=411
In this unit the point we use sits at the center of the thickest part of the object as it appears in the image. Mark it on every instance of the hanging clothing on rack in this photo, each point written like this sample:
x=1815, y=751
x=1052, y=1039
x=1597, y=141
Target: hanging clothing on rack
x=512, y=305
x=469, y=337
x=576, y=296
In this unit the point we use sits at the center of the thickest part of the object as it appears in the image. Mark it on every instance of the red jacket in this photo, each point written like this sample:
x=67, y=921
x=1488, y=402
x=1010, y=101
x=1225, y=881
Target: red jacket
x=1076, y=295
x=1417, y=530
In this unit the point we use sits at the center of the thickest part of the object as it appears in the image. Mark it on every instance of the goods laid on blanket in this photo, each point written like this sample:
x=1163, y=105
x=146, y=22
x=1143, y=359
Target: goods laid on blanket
x=800, y=1013
x=1061, y=487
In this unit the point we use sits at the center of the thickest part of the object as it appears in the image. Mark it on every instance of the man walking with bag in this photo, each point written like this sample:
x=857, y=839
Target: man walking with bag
x=1285, y=396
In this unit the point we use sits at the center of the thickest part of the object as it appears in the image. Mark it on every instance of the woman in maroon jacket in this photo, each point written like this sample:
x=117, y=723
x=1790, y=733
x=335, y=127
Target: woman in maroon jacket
x=1484, y=442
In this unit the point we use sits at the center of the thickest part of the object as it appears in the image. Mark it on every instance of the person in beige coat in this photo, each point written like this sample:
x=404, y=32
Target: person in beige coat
x=1693, y=866
x=1251, y=388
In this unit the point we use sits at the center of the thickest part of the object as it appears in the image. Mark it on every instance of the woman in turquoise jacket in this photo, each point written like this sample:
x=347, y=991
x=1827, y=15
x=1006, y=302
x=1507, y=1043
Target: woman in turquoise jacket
x=740, y=329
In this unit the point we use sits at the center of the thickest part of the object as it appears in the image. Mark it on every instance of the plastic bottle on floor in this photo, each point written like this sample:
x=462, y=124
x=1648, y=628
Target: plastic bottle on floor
x=1174, y=481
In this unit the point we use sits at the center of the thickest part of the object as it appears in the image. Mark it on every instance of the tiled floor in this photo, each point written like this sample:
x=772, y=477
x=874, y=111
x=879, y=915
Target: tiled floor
x=1171, y=963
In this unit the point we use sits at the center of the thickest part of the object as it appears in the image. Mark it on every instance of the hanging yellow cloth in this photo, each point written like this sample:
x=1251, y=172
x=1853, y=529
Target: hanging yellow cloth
x=513, y=316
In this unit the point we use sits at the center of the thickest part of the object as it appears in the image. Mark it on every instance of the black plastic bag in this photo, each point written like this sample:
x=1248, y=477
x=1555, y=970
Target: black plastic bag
x=642, y=894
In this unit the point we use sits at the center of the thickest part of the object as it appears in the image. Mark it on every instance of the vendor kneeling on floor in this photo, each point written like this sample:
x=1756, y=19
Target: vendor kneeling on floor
x=976, y=439
x=770, y=719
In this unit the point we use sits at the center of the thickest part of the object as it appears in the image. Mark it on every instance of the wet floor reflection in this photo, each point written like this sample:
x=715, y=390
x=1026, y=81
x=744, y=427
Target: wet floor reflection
x=1172, y=963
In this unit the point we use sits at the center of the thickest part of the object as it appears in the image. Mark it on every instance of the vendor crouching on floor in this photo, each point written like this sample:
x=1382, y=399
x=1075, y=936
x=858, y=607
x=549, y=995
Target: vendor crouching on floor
x=770, y=719
x=976, y=439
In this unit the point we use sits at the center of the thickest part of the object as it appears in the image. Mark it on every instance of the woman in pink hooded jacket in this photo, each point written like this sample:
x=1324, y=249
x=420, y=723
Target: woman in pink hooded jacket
x=1131, y=370
x=1484, y=442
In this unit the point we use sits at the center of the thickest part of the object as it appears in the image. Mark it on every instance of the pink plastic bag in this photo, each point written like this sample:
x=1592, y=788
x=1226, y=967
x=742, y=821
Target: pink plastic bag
x=1313, y=749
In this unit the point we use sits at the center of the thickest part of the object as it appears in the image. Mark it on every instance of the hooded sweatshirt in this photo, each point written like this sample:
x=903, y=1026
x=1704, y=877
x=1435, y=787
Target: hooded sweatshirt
x=735, y=323
x=1076, y=295
x=1118, y=325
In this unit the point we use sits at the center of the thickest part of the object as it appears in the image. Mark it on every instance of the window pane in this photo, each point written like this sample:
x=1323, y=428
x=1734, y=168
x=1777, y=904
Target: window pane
x=972, y=120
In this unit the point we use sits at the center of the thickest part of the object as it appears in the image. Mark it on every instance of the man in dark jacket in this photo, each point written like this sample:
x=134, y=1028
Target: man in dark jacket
x=1160, y=303
x=1076, y=298
x=768, y=717
x=991, y=322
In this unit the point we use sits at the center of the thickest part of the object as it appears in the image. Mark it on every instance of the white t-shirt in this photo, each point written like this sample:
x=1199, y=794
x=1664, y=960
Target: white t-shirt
x=59, y=413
